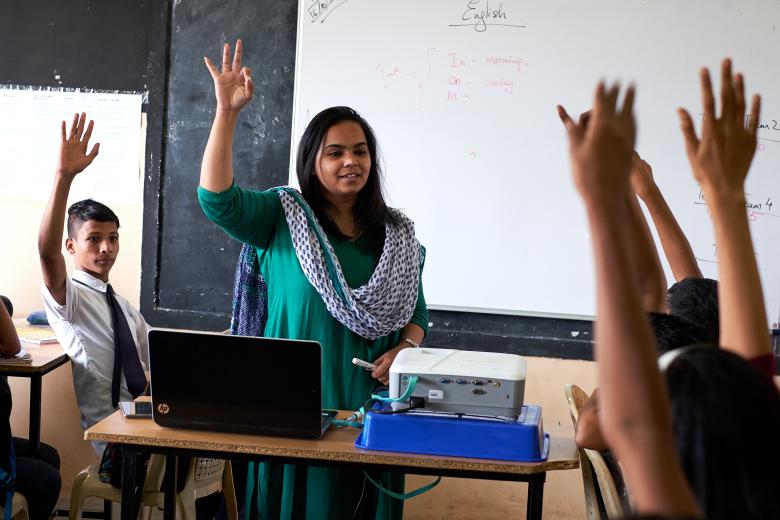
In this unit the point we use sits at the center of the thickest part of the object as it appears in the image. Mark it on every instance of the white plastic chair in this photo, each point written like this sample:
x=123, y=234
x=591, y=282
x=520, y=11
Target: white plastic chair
x=202, y=478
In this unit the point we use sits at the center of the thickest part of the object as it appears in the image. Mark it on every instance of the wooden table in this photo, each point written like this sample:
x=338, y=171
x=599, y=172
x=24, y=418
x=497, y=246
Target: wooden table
x=45, y=358
x=336, y=448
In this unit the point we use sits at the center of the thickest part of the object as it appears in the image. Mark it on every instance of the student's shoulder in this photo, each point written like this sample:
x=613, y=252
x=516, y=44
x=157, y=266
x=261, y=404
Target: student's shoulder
x=52, y=307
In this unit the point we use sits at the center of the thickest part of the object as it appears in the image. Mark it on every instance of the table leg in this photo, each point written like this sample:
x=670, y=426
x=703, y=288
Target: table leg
x=169, y=490
x=129, y=507
x=535, y=497
x=34, y=445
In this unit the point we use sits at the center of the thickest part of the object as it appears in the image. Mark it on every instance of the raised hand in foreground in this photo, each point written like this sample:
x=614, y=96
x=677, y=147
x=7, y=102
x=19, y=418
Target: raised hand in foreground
x=634, y=409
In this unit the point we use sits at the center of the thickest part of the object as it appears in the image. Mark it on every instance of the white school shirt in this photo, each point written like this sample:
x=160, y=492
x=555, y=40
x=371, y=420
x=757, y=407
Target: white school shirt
x=84, y=329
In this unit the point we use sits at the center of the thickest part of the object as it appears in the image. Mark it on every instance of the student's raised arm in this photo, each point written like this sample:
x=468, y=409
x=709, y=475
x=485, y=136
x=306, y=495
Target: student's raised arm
x=73, y=159
x=634, y=408
x=676, y=247
x=652, y=294
x=650, y=274
x=648, y=266
x=720, y=160
x=233, y=88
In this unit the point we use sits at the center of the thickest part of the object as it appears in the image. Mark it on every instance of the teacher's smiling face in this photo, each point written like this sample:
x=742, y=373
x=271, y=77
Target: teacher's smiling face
x=343, y=161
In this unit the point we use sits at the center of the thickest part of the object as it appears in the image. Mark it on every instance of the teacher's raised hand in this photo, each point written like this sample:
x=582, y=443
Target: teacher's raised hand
x=233, y=85
x=233, y=88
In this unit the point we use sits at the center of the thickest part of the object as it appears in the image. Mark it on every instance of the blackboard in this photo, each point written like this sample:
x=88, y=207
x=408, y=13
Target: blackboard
x=82, y=44
x=188, y=262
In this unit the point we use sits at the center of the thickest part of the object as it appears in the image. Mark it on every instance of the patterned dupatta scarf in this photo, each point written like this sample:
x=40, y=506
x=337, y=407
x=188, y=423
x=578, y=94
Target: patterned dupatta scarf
x=384, y=304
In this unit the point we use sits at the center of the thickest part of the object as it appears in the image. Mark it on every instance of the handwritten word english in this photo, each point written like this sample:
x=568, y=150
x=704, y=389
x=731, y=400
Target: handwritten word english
x=481, y=17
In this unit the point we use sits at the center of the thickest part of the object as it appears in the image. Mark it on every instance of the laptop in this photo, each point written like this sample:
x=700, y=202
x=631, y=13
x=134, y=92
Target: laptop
x=237, y=384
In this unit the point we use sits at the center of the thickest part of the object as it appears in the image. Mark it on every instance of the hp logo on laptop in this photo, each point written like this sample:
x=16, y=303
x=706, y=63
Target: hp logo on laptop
x=163, y=408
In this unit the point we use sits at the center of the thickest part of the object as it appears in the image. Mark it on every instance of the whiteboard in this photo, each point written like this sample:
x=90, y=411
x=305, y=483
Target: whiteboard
x=462, y=96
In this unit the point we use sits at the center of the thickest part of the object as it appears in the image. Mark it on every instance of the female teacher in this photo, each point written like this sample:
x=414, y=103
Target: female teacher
x=342, y=268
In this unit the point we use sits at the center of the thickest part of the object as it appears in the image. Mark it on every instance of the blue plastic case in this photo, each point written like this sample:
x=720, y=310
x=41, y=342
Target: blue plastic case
x=523, y=440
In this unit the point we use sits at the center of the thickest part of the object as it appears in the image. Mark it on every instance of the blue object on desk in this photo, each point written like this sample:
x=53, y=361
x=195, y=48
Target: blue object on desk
x=523, y=440
x=37, y=318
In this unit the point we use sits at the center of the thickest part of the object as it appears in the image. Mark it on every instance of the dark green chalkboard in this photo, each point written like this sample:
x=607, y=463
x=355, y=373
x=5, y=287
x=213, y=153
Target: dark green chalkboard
x=187, y=262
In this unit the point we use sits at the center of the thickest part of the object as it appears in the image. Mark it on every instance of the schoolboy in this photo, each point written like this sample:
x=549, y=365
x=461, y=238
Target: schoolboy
x=104, y=336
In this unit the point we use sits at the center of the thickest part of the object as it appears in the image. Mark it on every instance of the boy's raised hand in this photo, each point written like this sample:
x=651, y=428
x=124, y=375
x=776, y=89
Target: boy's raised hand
x=720, y=159
x=73, y=157
x=233, y=86
x=601, y=145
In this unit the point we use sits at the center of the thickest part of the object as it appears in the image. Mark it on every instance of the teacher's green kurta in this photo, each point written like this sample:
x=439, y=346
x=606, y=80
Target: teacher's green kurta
x=296, y=311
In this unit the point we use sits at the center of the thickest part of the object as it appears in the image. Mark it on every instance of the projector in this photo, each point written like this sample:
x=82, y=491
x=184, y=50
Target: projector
x=461, y=382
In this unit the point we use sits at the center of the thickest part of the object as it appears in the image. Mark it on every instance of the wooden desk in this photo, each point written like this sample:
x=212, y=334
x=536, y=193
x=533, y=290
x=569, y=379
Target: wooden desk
x=45, y=358
x=336, y=448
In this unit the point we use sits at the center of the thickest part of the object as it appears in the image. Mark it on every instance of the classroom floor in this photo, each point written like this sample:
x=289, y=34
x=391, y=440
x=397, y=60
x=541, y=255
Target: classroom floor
x=94, y=506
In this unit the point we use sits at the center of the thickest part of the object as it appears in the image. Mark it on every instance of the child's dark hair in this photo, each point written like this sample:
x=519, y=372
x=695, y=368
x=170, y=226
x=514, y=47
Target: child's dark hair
x=696, y=300
x=88, y=209
x=672, y=332
x=370, y=211
x=726, y=417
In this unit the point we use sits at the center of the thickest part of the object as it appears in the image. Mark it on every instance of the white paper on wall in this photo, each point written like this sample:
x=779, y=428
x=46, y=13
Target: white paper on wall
x=30, y=136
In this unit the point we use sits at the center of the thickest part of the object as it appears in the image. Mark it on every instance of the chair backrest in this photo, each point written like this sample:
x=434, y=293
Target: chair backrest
x=203, y=476
x=592, y=462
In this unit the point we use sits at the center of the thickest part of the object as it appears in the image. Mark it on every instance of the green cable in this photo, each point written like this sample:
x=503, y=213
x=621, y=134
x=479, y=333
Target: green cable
x=406, y=396
x=338, y=423
x=403, y=496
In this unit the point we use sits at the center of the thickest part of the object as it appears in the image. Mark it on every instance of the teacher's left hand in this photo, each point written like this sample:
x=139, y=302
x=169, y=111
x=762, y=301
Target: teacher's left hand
x=383, y=362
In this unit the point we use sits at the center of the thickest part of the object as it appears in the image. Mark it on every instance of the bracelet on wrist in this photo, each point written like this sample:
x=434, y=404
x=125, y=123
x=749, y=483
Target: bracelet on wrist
x=411, y=342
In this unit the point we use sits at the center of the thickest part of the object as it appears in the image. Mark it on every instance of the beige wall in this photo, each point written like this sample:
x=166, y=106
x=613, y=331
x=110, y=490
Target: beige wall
x=20, y=280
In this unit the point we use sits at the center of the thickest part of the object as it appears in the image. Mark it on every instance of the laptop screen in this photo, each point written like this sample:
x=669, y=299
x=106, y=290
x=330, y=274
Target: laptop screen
x=234, y=383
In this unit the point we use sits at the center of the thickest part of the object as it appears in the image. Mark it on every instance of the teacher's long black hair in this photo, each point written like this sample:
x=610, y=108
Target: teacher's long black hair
x=371, y=212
